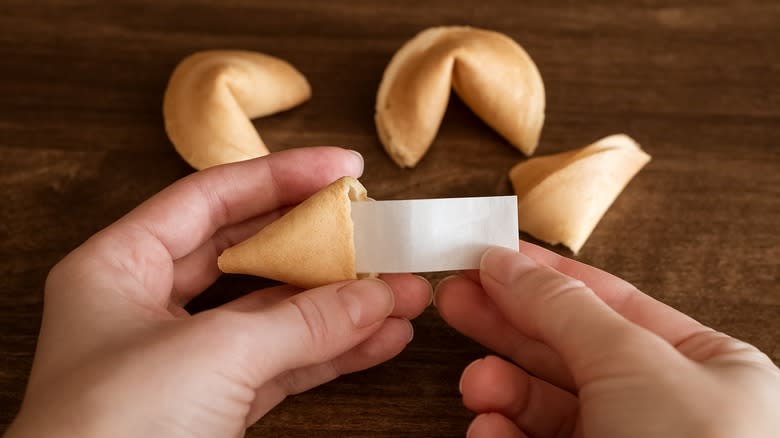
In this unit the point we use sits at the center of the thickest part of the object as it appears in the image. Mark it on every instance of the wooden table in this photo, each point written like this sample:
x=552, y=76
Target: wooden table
x=696, y=83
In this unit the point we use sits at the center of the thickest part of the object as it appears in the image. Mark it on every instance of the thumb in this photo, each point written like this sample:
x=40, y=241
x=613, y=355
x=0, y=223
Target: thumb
x=313, y=327
x=593, y=340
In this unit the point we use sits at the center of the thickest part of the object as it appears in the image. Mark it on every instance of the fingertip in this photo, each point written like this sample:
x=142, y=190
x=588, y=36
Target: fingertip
x=441, y=286
x=539, y=254
x=493, y=425
x=387, y=296
x=367, y=301
x=465, y=373
x=459, y=300
x=412, y=294
x=535, y=406
x=496, y=252
x=500, y=263
x=424, y=285
x=486, y=385
x=411, y=331
x=429, y=287
x=352, y=161
x=359, y=162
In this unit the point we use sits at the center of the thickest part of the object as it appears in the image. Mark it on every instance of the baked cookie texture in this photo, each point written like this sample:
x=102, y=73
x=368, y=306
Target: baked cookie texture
x=490, y=72
x=562, y=197
x=213, y=95
x=310, y=246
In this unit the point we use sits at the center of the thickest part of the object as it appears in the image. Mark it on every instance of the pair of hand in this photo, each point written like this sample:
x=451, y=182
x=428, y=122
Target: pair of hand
x=119, y=356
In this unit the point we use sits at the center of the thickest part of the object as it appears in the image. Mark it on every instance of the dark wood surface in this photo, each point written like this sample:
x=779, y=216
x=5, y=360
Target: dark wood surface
x=697, y=83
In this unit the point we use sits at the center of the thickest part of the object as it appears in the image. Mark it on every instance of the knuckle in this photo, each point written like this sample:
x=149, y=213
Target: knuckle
x=313, y=320
x=709, y=344
x=219, y=207
x=544, y=291
x=628, y=303
x=562, y=295
x=560, y=291
x=551, y=287
x=704, y=344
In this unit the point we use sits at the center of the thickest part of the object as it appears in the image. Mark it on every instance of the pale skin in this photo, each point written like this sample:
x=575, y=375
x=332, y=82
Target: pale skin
x=589, y=355
x=119, y=356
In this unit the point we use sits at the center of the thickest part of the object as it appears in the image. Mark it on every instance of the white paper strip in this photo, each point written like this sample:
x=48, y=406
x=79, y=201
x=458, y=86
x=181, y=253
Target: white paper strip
x=431, y=234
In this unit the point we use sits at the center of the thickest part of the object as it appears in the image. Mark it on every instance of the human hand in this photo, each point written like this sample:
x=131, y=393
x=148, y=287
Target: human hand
x=119, y=356
x=595, y=357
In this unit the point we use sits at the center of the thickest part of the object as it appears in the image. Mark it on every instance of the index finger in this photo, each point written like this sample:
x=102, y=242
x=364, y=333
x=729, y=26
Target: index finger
x=189, y=212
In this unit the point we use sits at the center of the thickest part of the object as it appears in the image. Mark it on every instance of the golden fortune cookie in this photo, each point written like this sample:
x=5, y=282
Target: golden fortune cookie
x=310, y=246
x=213, y=95
x=562, y=197
x=490, y=72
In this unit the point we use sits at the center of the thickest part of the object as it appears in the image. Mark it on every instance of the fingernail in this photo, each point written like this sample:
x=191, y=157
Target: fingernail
x=501, y=264
x=430, y=289
x=360, y=157
x=367, y=301
x=411, y=331
x=439, y=285
x=463, y=374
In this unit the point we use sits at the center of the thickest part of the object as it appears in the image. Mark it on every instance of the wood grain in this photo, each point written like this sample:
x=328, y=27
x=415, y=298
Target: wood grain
x=696, y=82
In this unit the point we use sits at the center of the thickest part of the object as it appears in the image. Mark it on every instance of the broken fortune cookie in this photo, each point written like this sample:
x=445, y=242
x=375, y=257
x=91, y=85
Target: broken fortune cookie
x=212, y=95
x=490, y=72
x=562, y=197
x=310, y=246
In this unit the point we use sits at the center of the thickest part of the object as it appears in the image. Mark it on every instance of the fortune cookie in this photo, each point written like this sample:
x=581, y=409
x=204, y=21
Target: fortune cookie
x=312, y=245
x=491, y=73
x=562, y=197
x=212, y=96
